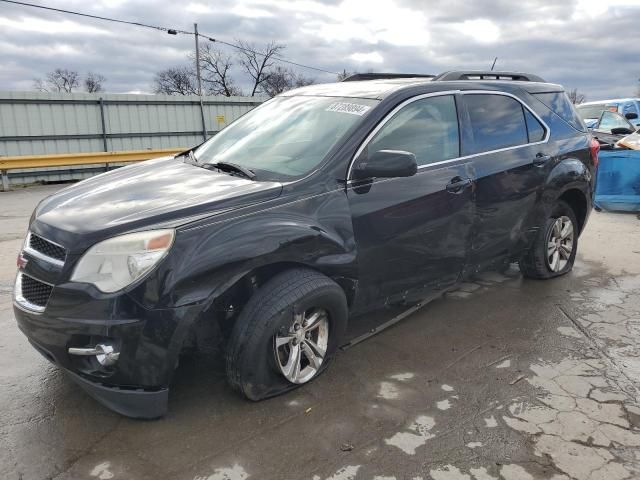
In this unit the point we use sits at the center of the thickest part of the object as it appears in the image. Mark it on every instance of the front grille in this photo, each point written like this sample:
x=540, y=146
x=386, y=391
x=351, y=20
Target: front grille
x=35, y=292
x=47, y=248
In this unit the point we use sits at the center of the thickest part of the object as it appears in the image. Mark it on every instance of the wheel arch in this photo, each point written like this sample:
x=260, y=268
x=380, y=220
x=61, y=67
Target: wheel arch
x=570, y=181
x=577, y=200
x=216, y=320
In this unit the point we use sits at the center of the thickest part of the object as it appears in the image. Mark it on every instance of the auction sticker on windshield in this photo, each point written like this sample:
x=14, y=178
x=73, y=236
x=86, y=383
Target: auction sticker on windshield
x=345, y=107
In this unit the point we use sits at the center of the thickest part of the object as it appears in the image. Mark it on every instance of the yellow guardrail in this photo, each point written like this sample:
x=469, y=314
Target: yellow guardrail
x=71, y=159
x=68, y=159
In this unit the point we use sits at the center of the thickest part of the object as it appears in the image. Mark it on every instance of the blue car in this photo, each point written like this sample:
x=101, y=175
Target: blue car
x=591, y=111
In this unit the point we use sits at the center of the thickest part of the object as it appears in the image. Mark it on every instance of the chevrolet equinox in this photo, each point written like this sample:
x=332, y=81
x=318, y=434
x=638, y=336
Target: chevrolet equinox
x=320, y=205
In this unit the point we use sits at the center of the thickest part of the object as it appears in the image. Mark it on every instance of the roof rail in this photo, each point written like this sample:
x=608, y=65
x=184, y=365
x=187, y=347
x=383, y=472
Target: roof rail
x=486, y=75
x=380, y=76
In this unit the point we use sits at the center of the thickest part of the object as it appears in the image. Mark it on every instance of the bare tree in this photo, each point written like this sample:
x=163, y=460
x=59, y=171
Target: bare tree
x=300, y=80
x=576, y=97
x=258, y=63
x=175, y=81
x=40, y=85
x=343, y=75
x=281, y=79
x=216, y=77
x=93, y=83
x=278, y=81
x=60, y=80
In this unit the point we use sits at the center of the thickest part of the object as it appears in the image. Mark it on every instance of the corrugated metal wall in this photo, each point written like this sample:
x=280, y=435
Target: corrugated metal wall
x=33, y=123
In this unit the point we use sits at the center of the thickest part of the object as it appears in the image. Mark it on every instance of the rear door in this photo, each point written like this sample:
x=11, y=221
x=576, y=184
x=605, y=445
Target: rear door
x=507, y=144
x=412, y=233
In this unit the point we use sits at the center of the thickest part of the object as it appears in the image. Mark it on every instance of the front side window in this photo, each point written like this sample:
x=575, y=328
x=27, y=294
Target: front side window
x=611, y=120
x=286, y=137
x=497, y=121
x=428, y=128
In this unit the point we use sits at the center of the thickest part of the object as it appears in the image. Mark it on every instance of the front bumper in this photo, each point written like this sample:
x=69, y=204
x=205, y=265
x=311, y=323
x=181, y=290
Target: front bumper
x=149, y=345
x=141, y=404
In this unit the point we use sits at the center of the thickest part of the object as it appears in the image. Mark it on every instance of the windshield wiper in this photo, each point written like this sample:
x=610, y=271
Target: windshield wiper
x=189, y=157
x=232, y=167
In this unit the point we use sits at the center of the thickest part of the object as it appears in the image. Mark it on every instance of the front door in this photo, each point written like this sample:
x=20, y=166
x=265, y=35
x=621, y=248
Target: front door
x=413, y=233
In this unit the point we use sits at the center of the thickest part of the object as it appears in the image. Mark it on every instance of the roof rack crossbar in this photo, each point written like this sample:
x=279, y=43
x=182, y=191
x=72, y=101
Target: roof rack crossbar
x=382, y=76
x=487, y=75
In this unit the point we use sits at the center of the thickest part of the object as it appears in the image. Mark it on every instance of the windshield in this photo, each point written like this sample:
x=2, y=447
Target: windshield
x=286, y=137
x=591, y=111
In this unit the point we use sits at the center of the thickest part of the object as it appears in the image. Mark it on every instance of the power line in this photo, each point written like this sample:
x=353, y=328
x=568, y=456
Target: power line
x=171, y=31
x=60, y=10
x=275, y=57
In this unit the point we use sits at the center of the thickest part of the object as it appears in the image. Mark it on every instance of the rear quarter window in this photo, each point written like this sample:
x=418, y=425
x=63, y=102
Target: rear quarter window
x=534, y=127
x=559, y=103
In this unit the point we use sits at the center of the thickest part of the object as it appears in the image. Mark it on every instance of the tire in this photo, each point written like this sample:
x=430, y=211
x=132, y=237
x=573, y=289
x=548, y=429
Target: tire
x=536, y=263
x=252, y=357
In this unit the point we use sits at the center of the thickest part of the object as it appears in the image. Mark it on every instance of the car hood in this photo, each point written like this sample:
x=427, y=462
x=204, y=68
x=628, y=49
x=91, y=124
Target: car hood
x=161, y=192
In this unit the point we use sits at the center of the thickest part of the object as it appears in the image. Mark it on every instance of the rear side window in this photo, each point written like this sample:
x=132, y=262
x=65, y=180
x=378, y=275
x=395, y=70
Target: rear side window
x=497, y=121
x=428, y=128
x=629, y=107
x=559, y=103
x=534, y=127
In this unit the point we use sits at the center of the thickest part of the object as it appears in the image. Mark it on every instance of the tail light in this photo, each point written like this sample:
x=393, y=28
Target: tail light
x=594, y=147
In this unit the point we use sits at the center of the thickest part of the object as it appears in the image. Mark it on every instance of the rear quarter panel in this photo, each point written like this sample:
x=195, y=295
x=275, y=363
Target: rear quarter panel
x=571, y=166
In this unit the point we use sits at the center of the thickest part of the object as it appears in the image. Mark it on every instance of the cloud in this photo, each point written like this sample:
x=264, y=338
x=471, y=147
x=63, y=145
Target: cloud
x=588, y=44
x=371, y=57
x=481, y=30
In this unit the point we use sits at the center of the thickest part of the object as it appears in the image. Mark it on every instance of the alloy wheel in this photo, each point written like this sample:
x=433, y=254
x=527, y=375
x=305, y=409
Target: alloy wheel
x=560, y=244
x=301, y=350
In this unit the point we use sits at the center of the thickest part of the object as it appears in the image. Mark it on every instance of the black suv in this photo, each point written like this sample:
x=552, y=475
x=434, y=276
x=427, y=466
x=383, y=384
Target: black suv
x=322, y=204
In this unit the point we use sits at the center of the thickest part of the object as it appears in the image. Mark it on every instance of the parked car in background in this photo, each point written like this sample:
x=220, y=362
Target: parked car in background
x=618, y=174
x=318, y=207
x=613, y=126
x=590, y=111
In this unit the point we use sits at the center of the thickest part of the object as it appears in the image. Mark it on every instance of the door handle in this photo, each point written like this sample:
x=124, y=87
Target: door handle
x=540, y=159
x=458, y=184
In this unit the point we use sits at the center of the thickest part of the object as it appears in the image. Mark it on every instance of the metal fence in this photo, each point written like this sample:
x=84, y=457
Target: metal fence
x=34, y=123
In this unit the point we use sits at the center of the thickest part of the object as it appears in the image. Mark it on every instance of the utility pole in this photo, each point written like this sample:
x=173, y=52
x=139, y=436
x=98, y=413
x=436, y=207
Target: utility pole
x=204, y=125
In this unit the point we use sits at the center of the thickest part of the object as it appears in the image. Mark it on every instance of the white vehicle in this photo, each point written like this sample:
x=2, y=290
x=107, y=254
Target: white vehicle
x=628, y=107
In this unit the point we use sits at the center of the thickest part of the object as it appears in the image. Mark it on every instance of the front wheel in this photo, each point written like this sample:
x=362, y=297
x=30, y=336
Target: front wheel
x=554, y=249
x=286, y=334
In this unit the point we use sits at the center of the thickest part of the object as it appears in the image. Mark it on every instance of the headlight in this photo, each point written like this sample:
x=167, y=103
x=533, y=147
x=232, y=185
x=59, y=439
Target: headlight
x=114, y=264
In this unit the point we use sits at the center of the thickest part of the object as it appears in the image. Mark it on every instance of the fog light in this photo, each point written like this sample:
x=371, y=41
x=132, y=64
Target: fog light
x=105, y=354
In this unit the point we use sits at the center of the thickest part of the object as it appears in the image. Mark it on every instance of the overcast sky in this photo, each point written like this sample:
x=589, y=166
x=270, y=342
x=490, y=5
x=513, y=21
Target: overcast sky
x=589, y=44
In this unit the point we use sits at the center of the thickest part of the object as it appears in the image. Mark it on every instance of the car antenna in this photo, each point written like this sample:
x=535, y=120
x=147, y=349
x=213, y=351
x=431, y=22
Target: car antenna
x=494, y=63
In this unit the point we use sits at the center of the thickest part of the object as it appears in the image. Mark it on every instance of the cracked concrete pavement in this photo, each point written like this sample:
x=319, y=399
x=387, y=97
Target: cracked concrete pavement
x=504, y=378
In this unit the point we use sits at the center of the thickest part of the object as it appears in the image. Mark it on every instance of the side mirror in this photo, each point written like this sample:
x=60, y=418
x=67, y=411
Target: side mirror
x=621, y=131
x=386, y=164
x=631, y=115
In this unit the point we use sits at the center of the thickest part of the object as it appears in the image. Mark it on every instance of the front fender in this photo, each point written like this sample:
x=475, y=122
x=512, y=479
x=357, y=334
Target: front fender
x=208, y=259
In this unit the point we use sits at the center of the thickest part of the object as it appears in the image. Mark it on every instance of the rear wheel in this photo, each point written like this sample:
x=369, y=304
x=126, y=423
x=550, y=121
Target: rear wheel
x=554, y=249
x=287, y=334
